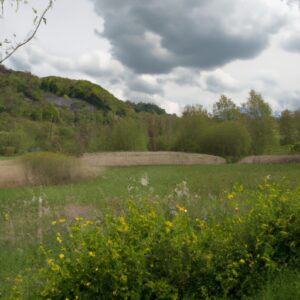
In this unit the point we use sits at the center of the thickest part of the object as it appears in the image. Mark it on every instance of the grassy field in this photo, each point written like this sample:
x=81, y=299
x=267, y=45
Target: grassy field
x=26, y=213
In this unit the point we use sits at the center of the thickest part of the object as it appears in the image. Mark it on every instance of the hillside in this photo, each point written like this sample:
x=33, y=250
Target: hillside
x=63, y=91
x=60, y=114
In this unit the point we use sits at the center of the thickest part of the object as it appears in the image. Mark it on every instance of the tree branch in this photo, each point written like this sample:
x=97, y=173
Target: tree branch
x=27, y=40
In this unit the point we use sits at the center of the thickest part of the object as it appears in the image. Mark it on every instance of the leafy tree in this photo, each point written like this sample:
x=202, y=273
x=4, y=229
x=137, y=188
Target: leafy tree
x=128, y=135
x=226, y=110
x=195, y=110
x=191, y=128
x=287, y=128
x=229, y=139
x=297, y=121
x=259, y=121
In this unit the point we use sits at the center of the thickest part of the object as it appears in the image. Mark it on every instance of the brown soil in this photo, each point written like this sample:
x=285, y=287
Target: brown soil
x=270, y=159
x=12, y=173
x=109, y=159
x=72, y=211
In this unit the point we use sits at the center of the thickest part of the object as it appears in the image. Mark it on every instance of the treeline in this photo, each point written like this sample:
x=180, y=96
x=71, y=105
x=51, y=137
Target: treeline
x=97, y=121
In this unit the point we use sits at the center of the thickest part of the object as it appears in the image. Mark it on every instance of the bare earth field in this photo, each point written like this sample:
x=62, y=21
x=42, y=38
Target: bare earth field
x=270, y=159
x=12, y=173
x=110, y=159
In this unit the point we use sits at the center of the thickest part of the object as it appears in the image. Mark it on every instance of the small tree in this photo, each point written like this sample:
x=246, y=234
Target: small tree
x=259, y=121
x=128, y=135
x=287, y=128
x=229, y=139
x=226, y=110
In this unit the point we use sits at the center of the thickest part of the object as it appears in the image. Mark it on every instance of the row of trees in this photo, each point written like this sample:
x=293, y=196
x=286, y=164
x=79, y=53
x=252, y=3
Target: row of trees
x=229, y=131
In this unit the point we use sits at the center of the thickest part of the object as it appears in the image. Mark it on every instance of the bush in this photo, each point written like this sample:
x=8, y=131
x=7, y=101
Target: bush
x=228, y=139
x=128, y=135
x=43, y=168
x=12, y=143
x=155, y=253
x=296, y=148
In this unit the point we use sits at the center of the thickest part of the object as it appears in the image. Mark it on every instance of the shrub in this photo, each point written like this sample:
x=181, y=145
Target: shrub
x=229, y=139
x=154, y=253
x=12, y=143
x=296, y=148
x=43, y=168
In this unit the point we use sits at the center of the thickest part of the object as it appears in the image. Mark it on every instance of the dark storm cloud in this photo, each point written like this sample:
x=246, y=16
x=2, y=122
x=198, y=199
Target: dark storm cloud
x=137, y=84
x=219, y=82
x=157, y=36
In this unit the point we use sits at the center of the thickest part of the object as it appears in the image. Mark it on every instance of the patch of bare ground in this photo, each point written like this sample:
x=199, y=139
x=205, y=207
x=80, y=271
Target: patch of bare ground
x=110, y=159
x=72, y=211
x=270, y=159
x=12, y=173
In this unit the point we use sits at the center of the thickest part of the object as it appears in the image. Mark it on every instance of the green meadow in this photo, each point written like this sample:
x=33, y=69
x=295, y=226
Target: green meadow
x=27, y=214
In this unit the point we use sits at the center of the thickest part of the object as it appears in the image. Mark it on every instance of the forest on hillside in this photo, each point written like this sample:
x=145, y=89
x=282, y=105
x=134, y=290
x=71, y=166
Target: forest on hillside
x=76, y=116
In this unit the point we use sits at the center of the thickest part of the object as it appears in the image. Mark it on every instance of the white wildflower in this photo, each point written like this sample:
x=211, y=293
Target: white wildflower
x=144, y=181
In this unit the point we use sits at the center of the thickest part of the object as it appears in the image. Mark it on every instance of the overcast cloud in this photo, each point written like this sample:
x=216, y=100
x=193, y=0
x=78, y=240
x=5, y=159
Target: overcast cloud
x=157, y=36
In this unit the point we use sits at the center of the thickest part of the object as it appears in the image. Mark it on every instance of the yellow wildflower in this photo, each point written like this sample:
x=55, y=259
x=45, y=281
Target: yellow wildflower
x=242, y=261
x=62, y=220
x=53, y=223
x=180, y=208
x=230, y=196
x=124, y=226
x=169, y=224
x=92, y=254
x=61, y=256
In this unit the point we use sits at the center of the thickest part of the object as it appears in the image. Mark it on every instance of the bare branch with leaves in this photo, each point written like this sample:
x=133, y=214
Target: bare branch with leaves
x=12, y=47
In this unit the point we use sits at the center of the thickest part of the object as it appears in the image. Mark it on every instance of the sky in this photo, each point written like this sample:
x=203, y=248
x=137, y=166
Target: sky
x=170, y=52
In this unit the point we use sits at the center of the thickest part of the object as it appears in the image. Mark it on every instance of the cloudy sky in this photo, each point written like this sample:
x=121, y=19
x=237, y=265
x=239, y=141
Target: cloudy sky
x=170, y=52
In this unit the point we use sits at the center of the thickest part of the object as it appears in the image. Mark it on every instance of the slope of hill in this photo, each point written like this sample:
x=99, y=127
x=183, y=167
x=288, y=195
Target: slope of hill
x=72, y=116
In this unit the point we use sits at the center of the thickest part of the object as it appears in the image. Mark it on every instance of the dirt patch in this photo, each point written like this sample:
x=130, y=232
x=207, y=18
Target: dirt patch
x=110, y=159
x=270, y=159
x=72, y=211
x=12, y=173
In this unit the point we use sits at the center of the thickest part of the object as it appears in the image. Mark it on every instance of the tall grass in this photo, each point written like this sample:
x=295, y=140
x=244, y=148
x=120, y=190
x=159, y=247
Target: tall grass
x=45, y=168
x=197, y=188
x=154, y=250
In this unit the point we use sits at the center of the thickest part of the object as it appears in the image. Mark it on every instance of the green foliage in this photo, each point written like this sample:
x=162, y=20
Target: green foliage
x=147, y=107
x=128, y=135
x=229, y=139
x=259, y=121
x=81, y=89
x=155, y=251
x=226, y=110
x=296, y=148
x=287, y=128
x=192, y=128
x=12, y=143
x=45, y=168
x=283, y=286
x=90, y=114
